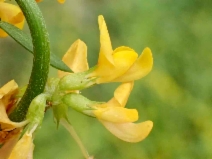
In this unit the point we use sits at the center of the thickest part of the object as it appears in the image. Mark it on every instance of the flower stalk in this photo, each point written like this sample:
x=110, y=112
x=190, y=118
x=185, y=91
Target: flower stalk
x=41, y=49
x=73, y=133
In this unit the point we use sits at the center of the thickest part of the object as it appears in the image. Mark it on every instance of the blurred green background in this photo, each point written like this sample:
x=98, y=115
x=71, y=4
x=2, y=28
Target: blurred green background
x=176, y=95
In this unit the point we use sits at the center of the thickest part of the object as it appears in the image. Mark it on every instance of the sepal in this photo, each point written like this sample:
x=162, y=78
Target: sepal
x=36, y=111
x=60, y=112
x=76, y=81
x=80, y=103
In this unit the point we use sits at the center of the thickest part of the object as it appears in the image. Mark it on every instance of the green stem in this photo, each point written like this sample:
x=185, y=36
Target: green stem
x=73, y=133
x=41, y=59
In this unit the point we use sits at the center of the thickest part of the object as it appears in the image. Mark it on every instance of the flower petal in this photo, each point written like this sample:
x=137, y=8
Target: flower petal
x=76, y=58
x=124, y=58
x=5, y=123
x=11, y=14
x=121, y=95
x=139, y=69
x=105, y=43
x=7, y=91
x=8, y=88
x=116, y=114
x=24, y=148
x=129, y=132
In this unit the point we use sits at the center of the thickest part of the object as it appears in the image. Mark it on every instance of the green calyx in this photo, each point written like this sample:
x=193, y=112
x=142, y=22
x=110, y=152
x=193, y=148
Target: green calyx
x=36, y=110
x=76, y=81
x=80, y=103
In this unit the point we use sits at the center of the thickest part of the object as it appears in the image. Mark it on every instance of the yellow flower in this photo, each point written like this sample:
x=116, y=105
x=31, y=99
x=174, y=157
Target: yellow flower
x=118, y=120
x=9, y=131
x=24, y=148
x=121, y=64
x=60, y=1
x=18, y=149
x=7, y=99
x=11, y=14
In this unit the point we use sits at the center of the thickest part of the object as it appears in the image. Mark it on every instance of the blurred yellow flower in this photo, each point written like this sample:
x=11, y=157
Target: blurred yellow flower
x=8, y=142
x=11, y=14
x=121, y=64
x=7, y=99
x=9, y=131
x=117, y=119
x=24, y=147
x=60, y=1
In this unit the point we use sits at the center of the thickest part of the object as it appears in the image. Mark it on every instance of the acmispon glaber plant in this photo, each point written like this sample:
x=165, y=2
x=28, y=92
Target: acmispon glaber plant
x=22, y=110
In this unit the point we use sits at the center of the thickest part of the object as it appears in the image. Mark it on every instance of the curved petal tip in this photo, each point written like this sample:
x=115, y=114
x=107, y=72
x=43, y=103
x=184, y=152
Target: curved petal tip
x=130, y=132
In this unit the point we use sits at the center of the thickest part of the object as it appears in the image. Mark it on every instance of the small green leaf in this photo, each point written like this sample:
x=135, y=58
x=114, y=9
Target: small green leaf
x=23, y=39
x=56, y=62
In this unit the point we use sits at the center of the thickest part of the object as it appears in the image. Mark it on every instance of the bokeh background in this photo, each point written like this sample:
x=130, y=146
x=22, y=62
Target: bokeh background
x=176, y=95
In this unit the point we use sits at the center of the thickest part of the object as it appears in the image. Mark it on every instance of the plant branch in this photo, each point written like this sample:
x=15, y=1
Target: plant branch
x=41, y=49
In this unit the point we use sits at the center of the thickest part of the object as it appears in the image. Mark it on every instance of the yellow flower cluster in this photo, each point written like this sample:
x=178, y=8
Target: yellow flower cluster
x=119, y=65
x=11, y=14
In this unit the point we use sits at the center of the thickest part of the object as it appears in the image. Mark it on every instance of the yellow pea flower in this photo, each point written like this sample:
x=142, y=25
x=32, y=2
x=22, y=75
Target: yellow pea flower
x=7, y=93
x=117, y=119
x=121, y=64
x=11, y=14
x=24, y=147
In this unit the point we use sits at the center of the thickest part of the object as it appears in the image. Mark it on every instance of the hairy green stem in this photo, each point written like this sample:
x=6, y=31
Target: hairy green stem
x=41, y=59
